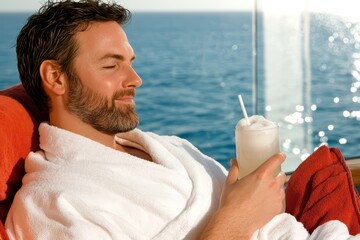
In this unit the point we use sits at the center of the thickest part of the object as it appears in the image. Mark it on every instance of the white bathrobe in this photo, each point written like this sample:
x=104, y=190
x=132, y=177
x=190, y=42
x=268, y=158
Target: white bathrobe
x=79, y=189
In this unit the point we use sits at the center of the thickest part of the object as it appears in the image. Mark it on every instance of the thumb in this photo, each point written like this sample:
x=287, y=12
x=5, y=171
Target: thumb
x=233, y=172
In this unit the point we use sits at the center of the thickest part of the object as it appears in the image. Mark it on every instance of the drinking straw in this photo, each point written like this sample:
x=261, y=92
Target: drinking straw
x=243, y=109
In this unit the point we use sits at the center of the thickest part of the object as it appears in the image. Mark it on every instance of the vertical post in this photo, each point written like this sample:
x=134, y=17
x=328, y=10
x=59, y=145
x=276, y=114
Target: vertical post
x=254, y=59
x=284, y=65
x=307, y=74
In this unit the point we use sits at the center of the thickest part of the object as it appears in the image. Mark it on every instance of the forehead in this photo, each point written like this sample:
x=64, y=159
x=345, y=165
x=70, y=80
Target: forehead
x=102, y=38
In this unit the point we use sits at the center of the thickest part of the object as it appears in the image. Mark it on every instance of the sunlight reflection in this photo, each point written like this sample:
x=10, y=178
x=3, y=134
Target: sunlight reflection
x=356, y=74
x=346, y=114
x=357, y=62
x=355, y=114
x=342, y=141
x=296, y=151
x=286, y=144
x=324, y=139
x=299, y=108
x=294, y=118
x=304, y=156
x=308, y=119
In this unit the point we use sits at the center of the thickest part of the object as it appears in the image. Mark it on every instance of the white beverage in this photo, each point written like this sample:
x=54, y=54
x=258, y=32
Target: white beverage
x=255, y=143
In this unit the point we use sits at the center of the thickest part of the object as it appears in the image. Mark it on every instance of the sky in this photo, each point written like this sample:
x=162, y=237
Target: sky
x=349, y=8
x=145, y=5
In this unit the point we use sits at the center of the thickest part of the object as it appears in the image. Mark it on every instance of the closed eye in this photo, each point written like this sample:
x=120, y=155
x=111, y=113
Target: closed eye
x=109, y=67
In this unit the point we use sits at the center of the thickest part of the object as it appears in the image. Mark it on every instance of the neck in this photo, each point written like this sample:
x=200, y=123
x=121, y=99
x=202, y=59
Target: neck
x=72, y=123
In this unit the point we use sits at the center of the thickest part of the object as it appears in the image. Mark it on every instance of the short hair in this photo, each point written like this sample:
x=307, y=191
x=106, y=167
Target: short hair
x=49, y=35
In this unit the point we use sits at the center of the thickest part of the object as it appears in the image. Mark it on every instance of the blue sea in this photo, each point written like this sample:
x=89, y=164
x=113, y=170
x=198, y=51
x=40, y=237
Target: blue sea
x=193, y=66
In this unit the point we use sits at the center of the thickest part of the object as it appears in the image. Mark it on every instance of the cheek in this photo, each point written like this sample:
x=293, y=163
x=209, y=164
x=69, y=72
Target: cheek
x=105, y=83
x=109, y=83
x=101, y=83
x=108, y=86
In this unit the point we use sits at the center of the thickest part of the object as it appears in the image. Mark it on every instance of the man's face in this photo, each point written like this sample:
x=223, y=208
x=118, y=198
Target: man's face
x=102, y=84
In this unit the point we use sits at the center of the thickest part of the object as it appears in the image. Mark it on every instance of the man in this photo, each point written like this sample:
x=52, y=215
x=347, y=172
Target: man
x=97, y=176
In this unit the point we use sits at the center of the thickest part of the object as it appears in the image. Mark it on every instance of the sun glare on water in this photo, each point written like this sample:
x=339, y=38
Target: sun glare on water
x=345, y=8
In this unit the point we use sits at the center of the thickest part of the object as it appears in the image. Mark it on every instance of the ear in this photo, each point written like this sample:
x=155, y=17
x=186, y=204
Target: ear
x=53, y=79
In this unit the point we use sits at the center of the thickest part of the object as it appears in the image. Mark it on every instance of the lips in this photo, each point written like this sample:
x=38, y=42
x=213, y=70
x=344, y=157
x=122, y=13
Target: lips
x=124, y=95
x=125, y=99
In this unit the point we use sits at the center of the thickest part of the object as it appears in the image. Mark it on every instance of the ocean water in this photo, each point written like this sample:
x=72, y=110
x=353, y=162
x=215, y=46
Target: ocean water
x=193, y=66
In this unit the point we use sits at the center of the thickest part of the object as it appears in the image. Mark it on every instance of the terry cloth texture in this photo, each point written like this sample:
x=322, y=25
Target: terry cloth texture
x=321, y=189
x=19, y=120
x=77, y=188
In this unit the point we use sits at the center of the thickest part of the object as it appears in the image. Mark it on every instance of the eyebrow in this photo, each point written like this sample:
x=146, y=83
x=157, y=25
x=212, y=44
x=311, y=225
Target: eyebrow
x=115, y=56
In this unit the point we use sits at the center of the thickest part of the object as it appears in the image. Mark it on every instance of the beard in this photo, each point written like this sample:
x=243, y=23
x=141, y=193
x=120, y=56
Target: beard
x=100, y=112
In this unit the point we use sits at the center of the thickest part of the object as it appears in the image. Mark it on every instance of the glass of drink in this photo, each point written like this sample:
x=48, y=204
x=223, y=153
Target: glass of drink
x=257, y=139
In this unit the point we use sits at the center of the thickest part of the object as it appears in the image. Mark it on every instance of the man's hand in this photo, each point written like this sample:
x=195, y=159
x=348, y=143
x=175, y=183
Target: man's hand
x=249, y=203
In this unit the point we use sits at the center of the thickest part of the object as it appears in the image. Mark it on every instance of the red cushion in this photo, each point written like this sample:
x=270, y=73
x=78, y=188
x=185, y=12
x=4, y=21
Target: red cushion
x=321, y=189
x=3, y=235
x=18, y=93
x=19, y=120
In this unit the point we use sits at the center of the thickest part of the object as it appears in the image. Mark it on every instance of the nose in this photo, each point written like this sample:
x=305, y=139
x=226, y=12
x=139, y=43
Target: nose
x=133, y=80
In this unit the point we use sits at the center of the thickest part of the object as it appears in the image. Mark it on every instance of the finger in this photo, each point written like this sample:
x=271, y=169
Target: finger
x=233, y=172
x=273, y=163
x=281, y=178
x=282, y=194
